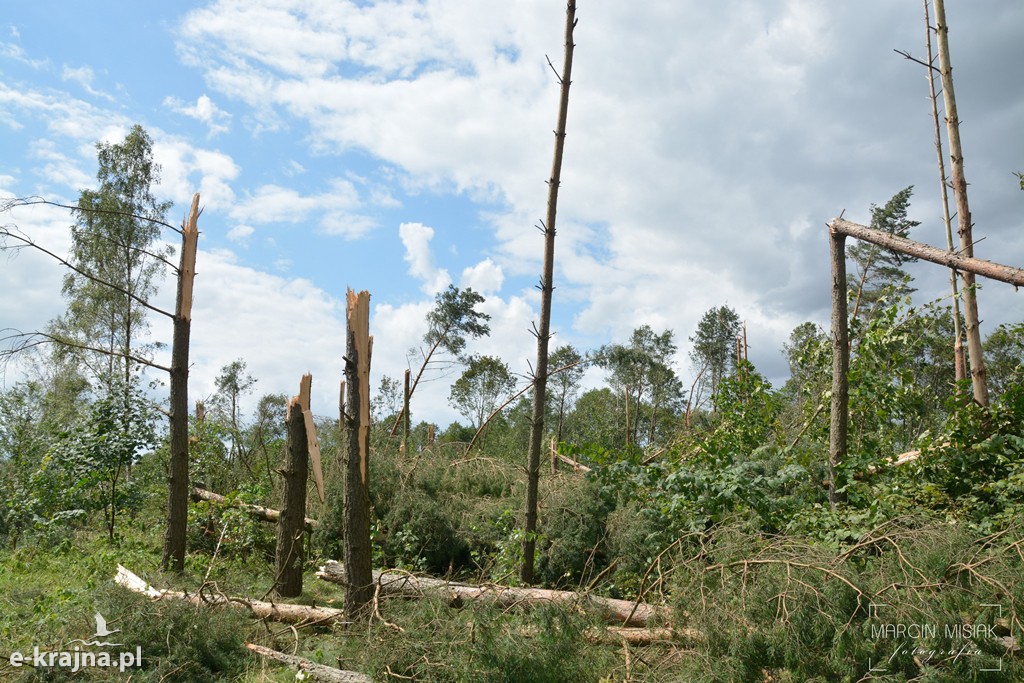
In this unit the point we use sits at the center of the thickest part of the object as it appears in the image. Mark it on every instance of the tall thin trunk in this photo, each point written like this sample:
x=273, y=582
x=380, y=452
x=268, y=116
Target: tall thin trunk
x=979, y=383
x=544, y=330
x=840, y=417
x=958, y=348
x=177, y=484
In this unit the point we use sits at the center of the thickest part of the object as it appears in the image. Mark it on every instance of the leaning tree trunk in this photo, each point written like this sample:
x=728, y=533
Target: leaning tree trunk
x=960, y=370
x=979, y=383
x=289, y=555
x=544, y=330
x=357, y=549
x=177, y=483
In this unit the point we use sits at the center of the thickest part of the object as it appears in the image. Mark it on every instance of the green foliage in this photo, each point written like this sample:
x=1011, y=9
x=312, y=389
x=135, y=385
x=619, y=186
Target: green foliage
x=714, y=351
x=641, y=372
x=114, y=240
x=880, y=271
x=481, y=388
x=1004, y=357
x=454, y=318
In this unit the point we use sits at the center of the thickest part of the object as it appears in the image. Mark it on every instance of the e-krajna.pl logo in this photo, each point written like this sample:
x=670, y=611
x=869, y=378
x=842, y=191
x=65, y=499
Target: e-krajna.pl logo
x=78, y=658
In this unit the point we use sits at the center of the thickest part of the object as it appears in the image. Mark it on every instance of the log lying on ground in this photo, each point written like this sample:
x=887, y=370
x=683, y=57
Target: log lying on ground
x=258, y=511
x=617, y=612
x=314, y=671
x=290, y=614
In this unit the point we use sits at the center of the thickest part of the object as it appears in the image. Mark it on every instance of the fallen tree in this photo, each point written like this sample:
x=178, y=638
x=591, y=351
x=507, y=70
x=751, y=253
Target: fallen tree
x=261, y=513
x=313, y=671
x=302, y=615
x=402, y=584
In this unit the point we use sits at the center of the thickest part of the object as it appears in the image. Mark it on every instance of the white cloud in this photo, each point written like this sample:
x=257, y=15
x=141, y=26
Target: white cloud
x=336, y=207
x=240, y=233
x=485, y=277
x=204, y=111
x=416, y=238
x=84, y=76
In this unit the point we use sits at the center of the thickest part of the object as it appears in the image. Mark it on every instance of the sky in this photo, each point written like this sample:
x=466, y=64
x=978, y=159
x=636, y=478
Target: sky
x=403, y=146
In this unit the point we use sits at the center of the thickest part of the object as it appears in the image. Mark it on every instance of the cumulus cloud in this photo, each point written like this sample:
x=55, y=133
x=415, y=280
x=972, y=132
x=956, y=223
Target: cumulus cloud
x=337, y=208
x=485, y=277
x=416, y=239
x=204, y=110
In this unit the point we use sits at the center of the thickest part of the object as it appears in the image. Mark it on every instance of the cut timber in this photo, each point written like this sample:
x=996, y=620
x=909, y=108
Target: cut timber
x=289, y=614
x=314, y=671
x=258, y=511
x=618, y=612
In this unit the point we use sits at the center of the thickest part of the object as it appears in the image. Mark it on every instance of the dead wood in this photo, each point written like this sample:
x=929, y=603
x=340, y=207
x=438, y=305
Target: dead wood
x=315, y=672
x=302, y=615
x=264, y=514
x=402, y=584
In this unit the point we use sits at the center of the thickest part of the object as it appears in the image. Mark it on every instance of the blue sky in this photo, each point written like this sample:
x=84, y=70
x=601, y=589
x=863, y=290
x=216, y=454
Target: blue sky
x=401, y=146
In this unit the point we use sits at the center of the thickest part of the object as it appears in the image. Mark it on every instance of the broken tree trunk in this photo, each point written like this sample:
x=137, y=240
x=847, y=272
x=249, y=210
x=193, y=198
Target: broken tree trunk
x=289, y=554
x=300, y=615
x=356, y=534
x=979, y=382
x=401, y=584
x=261, y=513
x=177, y=480
x=840, y=415
x=994, y=271
x=313, y=671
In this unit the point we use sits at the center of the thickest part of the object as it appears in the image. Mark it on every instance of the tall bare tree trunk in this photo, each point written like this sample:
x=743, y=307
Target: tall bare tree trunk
x=958, y=338
x=544, y=330
x=840, y=416
x=291, y=525
x=357, y=548
x=177, y=484
x=979, y=382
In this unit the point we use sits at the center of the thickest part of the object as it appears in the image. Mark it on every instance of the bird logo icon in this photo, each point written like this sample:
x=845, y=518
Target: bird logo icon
x=101, y=627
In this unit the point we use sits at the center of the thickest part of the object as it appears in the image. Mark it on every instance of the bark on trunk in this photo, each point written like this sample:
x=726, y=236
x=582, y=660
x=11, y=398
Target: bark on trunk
x=544, y=330
x=994, y=271
x=177, y=482
x=313, y=671
x=401, y=584
x=840, y=366
x=357, y=548
x=261, y=513
x=289, y=555
x=979, y=382
x=958, y=351
x=289, y=614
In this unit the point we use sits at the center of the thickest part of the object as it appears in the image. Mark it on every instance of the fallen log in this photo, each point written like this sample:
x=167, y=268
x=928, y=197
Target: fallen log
x=300, y=615
x=258, y=511
x=313, y=671
x=401, y=584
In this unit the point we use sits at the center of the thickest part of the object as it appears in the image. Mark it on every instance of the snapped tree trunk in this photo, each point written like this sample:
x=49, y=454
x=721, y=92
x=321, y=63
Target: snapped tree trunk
x=357, y=548
x=979, y=382
x=289, y=555
x=610, y=610
x=177, y=483
x=303, y=615
x=263, y=514
x=544, y=330
x=840, y=366
x=994, y=271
